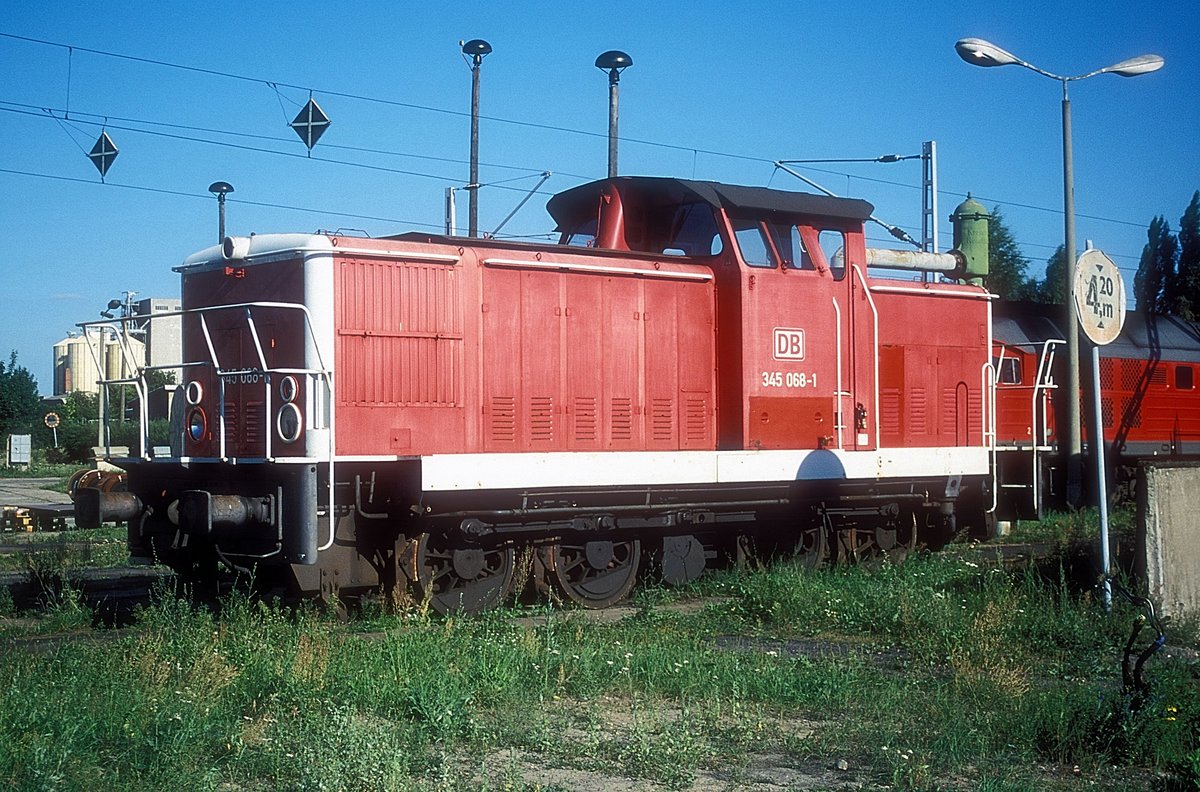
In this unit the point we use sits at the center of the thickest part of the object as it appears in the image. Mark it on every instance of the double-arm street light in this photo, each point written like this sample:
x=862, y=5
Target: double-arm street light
x=978, y=52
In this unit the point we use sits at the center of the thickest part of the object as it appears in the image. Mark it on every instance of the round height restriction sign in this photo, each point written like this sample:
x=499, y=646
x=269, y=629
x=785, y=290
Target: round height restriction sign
x=1099, y=297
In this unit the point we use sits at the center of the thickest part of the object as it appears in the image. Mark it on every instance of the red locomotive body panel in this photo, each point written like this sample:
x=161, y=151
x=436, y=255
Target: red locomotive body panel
x=401, y=345
x=503, y=350
x=932, y=364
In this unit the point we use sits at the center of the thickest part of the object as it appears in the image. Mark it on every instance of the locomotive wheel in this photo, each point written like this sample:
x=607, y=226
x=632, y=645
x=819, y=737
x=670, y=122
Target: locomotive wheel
x=811, y=548
x=593, y=574
x=462, y=579
x=683, y=560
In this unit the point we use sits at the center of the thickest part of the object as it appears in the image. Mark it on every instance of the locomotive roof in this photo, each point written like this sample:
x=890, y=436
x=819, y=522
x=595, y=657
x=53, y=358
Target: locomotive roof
x=1142, y=338
x=566, y=206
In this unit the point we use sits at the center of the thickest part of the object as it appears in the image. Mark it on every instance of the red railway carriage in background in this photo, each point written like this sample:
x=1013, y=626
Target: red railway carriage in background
x=692, y=364
x=1150, y=402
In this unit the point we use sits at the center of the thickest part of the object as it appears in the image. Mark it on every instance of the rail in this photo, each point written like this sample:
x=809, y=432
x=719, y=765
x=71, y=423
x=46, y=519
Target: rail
x=1039, y=392
x=841, y=392
x=988, y=420
x=875, y=348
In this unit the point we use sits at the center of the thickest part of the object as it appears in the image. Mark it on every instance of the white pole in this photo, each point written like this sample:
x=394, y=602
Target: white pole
x=451, y=219
x=1101, y=483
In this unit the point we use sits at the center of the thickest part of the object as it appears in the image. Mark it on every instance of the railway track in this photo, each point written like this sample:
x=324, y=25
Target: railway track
x=113, y=593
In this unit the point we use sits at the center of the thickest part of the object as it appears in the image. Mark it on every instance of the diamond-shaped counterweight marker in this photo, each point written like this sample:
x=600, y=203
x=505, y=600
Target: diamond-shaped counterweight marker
x=310, y=123
x=103, y=153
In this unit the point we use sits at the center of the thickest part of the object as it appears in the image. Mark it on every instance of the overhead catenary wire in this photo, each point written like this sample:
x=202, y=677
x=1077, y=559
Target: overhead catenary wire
x=54, y=112
x=275, y=85
x=207, y=197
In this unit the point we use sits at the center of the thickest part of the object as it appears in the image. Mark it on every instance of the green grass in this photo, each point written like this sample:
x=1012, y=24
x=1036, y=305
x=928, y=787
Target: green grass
x=939, y=674
x=41, y=470
x=56, y=552
x=1067, y=528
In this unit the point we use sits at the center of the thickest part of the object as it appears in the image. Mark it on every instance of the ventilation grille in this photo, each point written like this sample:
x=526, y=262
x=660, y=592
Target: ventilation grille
x=696, y=420
x=889, y=412
x=232, y=424
x=622, y=420
x=253, y=423
x=586, y=425
x=1106, y=412
x=918, y=412
x=974, y=413
x=504, y=419
x=1107, y=375
x=1131, y=374
x=949, y=412
x=662, y=419
x=541, y=419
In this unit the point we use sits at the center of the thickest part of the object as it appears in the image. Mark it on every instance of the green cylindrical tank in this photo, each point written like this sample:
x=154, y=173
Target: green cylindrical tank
x=970, y=221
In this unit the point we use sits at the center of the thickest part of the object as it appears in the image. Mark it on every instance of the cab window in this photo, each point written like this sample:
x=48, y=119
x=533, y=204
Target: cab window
x=1008, y=370
x=692, y=231
x=790, y=245
x=583, y=235
x=833, y=245
x=752, y=242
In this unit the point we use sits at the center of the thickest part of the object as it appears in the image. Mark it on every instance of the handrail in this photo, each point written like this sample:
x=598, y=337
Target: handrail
x=841, y=393
x=568, y=266
x=321, y=373
x=1042, y=384
x=875, y=348
x=988, y=375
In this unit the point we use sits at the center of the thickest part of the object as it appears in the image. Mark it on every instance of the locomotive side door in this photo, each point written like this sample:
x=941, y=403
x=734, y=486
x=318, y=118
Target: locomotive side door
x=844, y=250
x=796, y=327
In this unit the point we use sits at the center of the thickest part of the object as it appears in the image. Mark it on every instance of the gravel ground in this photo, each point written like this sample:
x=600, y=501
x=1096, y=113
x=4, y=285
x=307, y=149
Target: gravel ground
x=29, y=492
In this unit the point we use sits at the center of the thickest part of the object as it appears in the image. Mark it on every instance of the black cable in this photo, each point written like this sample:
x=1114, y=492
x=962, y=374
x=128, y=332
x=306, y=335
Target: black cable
x=274, y=84
x=1133, y=681
x=180, y=193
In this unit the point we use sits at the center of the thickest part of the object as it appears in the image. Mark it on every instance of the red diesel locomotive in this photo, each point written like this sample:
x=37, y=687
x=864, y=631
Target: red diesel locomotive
x=1150, y=405
x=691, y=365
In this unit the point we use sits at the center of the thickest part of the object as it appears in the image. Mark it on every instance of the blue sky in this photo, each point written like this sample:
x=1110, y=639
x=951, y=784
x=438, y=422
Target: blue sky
x=717, y=91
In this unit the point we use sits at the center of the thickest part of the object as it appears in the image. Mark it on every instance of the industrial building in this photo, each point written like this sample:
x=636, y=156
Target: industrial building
x=151, y=340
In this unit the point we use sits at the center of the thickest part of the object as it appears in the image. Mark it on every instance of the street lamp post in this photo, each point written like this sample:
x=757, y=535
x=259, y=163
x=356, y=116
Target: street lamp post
x=978, y=52
x=614, y=62
x=475, y=49
x=220, y=189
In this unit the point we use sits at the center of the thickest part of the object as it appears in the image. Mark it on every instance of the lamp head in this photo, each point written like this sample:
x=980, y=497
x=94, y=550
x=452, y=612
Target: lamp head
x=978, y=52
x=1142, y=64
x=476, y=48
x=220, y=188
x=614, y=60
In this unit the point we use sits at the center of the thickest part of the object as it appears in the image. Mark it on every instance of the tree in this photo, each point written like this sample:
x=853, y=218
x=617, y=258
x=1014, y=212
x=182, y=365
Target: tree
x=1153, y=285
x=1052, y=289
x=1186, y=286
x=1006, y=264
x=20, y=404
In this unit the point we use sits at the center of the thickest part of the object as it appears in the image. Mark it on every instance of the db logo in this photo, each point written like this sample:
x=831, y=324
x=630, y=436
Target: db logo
x=788, y=344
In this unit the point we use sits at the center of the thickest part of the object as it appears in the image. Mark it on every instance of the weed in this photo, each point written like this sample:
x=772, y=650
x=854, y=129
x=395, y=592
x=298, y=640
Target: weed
x=960, y=670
